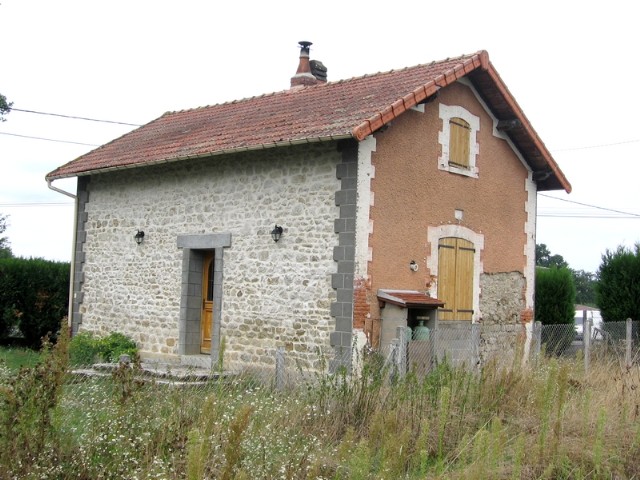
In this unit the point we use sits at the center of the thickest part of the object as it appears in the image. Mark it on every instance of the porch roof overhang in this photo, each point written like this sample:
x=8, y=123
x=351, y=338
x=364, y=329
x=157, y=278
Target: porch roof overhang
x=408, y=299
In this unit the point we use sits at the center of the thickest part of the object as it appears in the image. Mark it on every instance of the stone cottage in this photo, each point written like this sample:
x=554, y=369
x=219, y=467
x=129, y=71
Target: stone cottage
x=304, y=218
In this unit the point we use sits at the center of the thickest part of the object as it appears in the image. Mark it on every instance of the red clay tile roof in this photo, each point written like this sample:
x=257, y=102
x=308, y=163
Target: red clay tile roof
x=408, y=298
x=352, y=108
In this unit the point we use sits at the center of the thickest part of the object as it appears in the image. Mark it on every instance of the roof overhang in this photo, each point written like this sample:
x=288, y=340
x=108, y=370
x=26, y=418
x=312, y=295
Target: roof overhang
x=408, y=299
x=479, y=70
x=52, y=176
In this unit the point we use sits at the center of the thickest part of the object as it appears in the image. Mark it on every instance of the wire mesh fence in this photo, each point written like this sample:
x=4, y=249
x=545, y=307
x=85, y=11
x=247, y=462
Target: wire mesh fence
x=457, y=344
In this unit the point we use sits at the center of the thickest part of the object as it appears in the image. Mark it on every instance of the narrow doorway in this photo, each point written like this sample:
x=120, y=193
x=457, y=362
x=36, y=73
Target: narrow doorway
x=206, y=318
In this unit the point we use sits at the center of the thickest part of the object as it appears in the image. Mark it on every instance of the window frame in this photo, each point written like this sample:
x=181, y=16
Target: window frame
x=447, y=114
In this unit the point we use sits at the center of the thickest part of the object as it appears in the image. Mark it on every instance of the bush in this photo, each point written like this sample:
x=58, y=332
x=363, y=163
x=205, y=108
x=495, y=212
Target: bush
x=83, y=349
x=555, y=296
x=86, y=349
x=555, y=305
x=618, y=288
x=116, y=344
x=34, y=296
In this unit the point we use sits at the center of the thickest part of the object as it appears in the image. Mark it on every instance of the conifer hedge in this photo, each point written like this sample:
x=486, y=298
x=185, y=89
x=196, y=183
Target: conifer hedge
x=618, y=288
x=34, y=296
x=555, y=305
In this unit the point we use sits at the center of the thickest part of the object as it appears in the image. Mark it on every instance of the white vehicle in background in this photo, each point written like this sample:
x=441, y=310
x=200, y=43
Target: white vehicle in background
x=592, y=314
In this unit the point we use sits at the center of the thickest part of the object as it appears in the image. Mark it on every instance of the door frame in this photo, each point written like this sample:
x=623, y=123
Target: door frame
x=208, y=286
x=194, y=248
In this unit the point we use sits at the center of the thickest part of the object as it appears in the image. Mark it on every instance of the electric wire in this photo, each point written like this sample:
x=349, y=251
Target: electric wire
x=49, y=139
x=630, y=214
x=603, y=145
x=75, y=117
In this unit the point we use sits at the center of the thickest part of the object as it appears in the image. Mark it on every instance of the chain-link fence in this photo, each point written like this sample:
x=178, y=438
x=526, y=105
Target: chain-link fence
x=457, y=344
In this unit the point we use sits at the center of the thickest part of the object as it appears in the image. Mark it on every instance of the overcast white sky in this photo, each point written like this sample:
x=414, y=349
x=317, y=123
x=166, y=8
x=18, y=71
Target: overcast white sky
x=571, y=66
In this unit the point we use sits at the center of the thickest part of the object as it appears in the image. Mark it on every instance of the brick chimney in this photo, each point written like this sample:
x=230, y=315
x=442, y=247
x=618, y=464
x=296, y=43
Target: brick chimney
x=309, y=72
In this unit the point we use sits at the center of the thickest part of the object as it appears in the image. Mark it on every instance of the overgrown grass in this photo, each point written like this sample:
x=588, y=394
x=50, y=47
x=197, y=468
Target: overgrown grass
x=16, y=357
x=520, y=423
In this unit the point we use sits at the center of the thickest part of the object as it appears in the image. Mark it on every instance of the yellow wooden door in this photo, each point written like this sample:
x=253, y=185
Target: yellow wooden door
x=206, y=319
x=455, y=278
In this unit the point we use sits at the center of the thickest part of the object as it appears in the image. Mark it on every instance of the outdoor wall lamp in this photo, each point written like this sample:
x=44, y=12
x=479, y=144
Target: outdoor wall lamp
x=413, y=266
x=276, y=233
x=139, y=237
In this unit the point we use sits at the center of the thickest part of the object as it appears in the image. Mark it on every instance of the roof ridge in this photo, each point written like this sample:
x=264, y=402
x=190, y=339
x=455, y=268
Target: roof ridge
x=302, y=88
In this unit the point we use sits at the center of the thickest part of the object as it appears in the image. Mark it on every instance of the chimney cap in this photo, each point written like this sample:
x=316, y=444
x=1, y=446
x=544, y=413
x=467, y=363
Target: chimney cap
x=304, y=44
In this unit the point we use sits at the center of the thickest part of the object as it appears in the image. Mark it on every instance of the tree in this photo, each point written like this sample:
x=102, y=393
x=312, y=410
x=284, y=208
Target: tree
x=5, y=107
x=618, y=287
x=5, y=250
x=545, y=259
x=585, y=283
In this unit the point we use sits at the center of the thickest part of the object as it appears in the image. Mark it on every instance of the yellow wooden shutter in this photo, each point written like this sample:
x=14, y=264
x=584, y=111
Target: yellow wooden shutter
x=447, y=277
x=459, y=140
x=464, y=280
x=455, y=278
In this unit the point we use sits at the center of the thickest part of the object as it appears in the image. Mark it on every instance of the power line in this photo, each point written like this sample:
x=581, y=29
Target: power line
x=74, y=117
x=49, y=139
x=624, y=142
x=36, y=204
x=591, y=206
x=612, y=217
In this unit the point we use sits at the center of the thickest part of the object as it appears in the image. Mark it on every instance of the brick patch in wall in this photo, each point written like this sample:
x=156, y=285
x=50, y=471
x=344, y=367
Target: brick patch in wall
x=361, y=304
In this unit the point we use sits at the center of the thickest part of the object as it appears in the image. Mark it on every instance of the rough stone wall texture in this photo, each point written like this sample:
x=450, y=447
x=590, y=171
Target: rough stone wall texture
x=274, y=294
x=502, y=298
x=502, y=332
x=502, y=344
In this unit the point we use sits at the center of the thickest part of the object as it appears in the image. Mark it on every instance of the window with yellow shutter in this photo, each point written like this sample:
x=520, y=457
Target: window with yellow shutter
x=458, y=140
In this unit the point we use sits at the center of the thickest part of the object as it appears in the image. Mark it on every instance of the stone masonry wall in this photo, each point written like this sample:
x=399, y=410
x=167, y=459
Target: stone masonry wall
x=502, y=301
x=274, y=294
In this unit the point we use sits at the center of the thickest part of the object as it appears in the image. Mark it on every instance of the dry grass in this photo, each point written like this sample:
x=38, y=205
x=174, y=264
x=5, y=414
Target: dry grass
x=550, y=421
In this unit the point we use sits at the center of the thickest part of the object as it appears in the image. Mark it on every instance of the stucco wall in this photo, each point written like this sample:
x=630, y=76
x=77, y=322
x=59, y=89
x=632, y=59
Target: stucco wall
x=274, y=294
x=410, y=194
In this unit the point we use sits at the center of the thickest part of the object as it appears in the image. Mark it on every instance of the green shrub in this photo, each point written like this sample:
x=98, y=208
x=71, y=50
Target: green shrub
x=618, y=288
x=116, y=344
x=555, y=305
x=555, y=296
x=86, y=349
x=83, y=349
x=34, y=296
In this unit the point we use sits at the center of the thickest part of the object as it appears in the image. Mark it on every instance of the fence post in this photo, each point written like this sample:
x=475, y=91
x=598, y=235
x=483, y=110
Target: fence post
x=537, y=339
x=627, y=356
x=586, y=339
x=280, y=368
x=475, y=345
x=401, y=333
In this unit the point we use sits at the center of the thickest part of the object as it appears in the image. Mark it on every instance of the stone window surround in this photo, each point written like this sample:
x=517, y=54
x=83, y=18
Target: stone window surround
x=446, y=113
x=434, y=234
x=194, y=248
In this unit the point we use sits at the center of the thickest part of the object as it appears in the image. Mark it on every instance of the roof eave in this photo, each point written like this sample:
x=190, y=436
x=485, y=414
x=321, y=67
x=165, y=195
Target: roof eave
x=53, y=176
x=477, y=61
x=531, y=133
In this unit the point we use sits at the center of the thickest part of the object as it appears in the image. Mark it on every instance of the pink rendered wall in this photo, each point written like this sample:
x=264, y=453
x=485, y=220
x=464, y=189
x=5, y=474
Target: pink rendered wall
x=411, y=193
